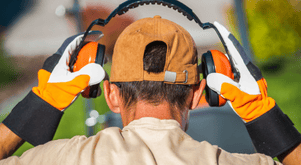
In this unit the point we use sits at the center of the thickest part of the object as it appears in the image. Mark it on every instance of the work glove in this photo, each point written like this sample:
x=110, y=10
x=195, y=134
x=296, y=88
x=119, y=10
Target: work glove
x=36, y=117
x=248, y=97
x=271, y=131
x=57, y=85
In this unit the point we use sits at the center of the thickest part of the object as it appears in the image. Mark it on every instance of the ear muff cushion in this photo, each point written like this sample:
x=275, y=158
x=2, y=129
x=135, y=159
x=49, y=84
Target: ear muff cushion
x=223, y=66
x=86, y=55
x=208, y=67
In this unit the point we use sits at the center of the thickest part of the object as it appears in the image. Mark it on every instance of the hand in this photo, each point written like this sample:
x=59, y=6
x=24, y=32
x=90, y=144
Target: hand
x=271, y=131
x=248, y=97
x=57, y=85
x=36, y=118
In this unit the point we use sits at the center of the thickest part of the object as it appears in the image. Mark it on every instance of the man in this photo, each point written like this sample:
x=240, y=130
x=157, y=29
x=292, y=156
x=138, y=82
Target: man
x=154, y=82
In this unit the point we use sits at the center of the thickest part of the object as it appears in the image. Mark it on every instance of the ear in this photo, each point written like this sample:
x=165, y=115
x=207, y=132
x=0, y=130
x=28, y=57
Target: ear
x=197, y=94
x=111, y=92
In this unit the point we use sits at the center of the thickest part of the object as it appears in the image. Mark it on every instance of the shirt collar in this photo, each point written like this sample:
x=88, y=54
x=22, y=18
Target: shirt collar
x=154, y=123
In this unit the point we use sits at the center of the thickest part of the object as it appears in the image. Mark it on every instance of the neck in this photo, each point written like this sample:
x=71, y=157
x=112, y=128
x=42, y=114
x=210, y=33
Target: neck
x=161, y=111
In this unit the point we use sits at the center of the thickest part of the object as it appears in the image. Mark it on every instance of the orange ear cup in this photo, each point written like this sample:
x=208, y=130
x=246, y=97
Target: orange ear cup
x=223, y=66
x=86, y=55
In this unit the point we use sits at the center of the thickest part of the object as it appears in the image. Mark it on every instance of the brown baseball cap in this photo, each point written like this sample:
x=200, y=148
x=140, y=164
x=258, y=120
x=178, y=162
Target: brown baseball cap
x=181, y=58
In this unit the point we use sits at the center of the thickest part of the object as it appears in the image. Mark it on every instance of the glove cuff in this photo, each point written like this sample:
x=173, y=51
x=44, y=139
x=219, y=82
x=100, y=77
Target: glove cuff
x=273, y=133
x=34, y=120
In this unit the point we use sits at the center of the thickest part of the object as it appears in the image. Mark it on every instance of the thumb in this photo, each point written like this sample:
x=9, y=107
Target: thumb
x=95, y=71
x=216, y=80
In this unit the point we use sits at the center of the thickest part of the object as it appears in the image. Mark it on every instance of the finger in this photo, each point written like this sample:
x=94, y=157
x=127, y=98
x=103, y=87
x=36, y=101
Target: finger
x=95, y=71
x=240, y=61
x=62, y=65
x=73, y=45
x=215, y=81
x=235, y=53
x=63, y=47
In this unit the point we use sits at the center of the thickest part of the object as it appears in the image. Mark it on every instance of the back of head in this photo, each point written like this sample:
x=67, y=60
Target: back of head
x=155, y=60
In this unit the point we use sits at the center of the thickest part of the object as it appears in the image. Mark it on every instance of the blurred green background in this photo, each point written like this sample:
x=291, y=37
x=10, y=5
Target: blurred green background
x=8, y=72
x=274, y=33
x=275, y=36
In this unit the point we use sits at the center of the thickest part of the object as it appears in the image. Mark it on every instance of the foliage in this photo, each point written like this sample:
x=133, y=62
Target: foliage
x=275, y=31
x=274, y=28
x=284, y=87
x=7, y=70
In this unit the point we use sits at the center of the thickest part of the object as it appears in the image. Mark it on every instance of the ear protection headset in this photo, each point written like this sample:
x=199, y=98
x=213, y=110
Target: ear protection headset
x=213, y=61
x=89, y=52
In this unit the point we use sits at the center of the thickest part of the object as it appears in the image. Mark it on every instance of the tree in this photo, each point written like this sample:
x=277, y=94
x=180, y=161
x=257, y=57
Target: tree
x=274, y=28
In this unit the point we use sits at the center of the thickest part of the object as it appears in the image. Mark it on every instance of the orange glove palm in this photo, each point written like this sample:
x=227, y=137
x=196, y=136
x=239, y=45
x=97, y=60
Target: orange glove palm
x=271, y=131
x=248, y=97
x=36, y=118
x=61, y=94
x=57, y=85
x=248, y=106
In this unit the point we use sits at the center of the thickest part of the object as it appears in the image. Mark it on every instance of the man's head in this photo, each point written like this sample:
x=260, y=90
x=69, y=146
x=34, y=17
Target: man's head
x=154, y=63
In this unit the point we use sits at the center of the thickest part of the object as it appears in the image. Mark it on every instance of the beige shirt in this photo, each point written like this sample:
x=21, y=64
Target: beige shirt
x=146, y=141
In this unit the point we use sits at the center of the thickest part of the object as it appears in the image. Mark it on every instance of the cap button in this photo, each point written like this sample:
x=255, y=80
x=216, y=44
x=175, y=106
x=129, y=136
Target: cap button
x=157, y=16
